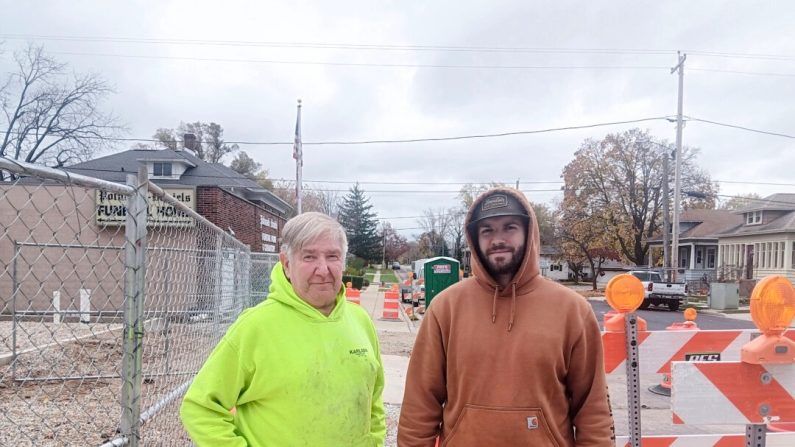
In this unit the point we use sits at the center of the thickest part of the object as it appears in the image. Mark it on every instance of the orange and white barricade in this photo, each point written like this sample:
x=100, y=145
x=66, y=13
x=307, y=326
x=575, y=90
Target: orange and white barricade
x=353, y=295
x=728, y=378
x=391, y=304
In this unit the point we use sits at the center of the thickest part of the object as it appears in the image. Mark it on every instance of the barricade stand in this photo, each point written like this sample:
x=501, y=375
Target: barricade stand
x=625, y=293
x=758, y=390
x=391, y=304
x=664, y=388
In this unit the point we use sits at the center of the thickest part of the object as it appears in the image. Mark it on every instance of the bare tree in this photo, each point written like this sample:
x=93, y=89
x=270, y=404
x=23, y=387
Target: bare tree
x=436, y=225
x=51, y=116
x=329, y=201
x=210, y=145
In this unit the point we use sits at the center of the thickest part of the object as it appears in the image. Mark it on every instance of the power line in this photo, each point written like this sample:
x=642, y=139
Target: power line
x=368, y=64
x=752, y=73
x=396, y=141
x=734, y=126
x=392, y=47
x=402, y=191
x=741, y=55
x=340, y=46
x=755, y=183
x=350, y=182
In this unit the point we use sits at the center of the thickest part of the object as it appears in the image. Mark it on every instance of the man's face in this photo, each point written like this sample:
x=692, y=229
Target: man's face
x=315, y=271
x=502, y=243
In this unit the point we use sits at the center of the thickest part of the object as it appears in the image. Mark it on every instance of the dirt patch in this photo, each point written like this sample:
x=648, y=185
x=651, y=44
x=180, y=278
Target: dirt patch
x=396, y=343
x=591, y=293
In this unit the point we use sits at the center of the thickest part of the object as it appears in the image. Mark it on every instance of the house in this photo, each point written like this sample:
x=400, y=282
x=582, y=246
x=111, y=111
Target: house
x=226, y=198
x=698, y=242
x=762, y=243
x=552, y=264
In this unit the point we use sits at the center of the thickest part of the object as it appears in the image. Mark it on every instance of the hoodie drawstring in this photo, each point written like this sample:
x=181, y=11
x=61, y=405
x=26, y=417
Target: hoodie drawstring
x=494, y=305
x=513, y=305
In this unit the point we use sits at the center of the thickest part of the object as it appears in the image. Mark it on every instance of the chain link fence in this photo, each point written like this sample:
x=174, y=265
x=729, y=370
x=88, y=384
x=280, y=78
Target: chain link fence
x=111, y=298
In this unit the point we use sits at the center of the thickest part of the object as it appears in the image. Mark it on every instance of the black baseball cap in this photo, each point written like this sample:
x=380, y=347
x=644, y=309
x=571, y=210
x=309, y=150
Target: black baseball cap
x=497, y=204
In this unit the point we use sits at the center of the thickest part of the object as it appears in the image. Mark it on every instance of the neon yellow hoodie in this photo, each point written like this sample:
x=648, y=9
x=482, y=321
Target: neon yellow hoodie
x=295, y=376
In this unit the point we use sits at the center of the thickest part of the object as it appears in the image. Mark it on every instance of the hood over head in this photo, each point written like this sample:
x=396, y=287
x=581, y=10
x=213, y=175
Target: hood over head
x=503, y=202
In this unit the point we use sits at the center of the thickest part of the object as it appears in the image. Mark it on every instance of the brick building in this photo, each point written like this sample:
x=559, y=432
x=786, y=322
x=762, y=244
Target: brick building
x=226, y=198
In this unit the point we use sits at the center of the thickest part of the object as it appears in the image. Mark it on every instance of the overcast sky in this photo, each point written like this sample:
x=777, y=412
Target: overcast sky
x=378, y=70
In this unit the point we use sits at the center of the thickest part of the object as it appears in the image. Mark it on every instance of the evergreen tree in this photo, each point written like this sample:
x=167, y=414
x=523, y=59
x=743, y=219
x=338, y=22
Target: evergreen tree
x=360, y=225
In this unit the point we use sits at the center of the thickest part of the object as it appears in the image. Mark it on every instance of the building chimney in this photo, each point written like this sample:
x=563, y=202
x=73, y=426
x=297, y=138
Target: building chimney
x=189, y=141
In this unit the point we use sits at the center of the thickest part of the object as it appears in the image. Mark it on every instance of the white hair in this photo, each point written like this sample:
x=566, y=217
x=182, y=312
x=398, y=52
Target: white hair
x=308, y=227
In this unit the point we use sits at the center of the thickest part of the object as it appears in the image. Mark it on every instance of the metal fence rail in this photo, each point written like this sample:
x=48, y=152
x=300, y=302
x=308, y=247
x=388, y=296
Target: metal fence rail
x=107, y=312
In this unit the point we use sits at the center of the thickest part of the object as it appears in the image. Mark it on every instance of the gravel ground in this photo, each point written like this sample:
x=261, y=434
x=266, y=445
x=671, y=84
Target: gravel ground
x=396, y=343
x=82, y=407
x=86, y=411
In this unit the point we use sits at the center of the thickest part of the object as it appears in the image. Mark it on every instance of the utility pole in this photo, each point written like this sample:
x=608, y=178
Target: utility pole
x=298, y=154
x=678, y=164
x=666, y=220
x=383, y=247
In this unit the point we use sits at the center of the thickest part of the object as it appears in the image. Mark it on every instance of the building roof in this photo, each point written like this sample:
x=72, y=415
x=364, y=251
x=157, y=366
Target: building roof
x=116, y=167
x=783, y=204
x=706, y=224
x=775, y=202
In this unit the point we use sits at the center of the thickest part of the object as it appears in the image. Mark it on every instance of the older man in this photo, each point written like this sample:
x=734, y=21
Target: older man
x=301, y=368
x=506, y=357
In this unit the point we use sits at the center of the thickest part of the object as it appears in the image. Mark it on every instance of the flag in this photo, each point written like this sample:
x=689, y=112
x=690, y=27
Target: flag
x=297, y=150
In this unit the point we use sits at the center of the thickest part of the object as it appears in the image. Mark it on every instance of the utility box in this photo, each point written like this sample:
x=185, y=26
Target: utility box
x=724, y=295
x=439, y=273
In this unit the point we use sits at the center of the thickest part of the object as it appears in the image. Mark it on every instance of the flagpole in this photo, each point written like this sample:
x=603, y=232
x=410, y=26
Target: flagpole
x=298, y=154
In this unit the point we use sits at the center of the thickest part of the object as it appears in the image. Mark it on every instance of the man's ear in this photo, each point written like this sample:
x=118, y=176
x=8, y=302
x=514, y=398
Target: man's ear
x=285, y=264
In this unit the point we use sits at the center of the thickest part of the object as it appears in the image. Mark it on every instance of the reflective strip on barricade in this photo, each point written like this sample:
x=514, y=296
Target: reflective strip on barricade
x=732, y=393
x=659, y=348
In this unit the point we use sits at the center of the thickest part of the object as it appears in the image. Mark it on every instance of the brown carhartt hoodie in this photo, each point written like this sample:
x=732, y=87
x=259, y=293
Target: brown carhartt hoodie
x=515, y=366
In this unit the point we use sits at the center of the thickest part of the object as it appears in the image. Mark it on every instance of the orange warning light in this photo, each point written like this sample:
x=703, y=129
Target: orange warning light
x=690, y=314
x=624, y=293
x=772, y=309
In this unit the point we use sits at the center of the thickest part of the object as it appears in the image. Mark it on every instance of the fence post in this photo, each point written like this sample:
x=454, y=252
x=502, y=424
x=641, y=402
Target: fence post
x=134, y=288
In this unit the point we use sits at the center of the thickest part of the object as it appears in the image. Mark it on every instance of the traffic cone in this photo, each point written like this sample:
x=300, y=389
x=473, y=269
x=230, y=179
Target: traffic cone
x=353, y=295
x=664, y=388
x=391, y=304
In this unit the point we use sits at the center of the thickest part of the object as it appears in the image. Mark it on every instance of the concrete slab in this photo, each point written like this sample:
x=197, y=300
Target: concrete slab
x=395, y=367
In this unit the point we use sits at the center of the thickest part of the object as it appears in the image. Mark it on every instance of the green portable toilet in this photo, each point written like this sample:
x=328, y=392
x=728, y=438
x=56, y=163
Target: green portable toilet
x=440, y=273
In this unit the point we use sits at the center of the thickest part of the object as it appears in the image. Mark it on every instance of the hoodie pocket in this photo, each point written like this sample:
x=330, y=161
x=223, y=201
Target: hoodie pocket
x=481, y=425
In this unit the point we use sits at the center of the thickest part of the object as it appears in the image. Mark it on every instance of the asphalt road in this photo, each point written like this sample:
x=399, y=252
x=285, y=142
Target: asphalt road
x=658, y=320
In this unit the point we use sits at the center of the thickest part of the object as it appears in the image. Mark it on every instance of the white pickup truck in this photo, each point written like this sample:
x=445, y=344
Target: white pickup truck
x=660, y=292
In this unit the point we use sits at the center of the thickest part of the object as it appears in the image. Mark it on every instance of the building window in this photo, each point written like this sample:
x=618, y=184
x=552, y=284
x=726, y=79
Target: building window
x=792, y=261
x=753, y=218
x=162, y=169
x=710, y=258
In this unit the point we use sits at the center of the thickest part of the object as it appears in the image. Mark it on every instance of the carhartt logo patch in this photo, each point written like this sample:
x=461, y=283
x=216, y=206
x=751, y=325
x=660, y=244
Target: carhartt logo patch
x=494, y=201
x=532, y=423
x=361, y=352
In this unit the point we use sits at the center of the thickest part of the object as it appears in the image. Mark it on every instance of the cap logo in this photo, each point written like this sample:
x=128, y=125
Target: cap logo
x=494, y=201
